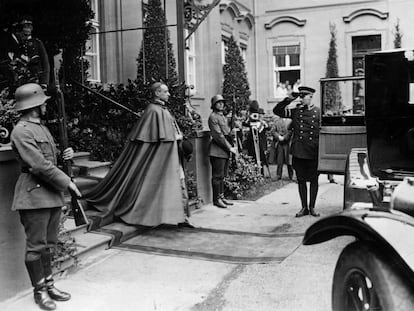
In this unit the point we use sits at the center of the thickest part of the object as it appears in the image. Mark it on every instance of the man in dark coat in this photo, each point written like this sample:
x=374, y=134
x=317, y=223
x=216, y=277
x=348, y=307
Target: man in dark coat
x=282, y=135
x=306, y=119
x=144, y=187
x=219, y=150
x=38, y=192
x=34, y=53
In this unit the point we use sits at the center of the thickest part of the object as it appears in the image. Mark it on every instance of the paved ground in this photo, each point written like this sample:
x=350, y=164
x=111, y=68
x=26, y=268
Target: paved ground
x=123, y=280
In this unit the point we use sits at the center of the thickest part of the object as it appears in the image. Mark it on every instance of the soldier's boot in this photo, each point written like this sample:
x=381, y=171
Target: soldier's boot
x=222, y=194
x=40, y=294
x=217, y=201
x=53, y=292
x=224, y=200
x=303, y=193
x=313, y=193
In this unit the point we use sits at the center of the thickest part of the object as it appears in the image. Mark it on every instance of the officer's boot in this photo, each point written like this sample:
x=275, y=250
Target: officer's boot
x=222, y=194
x=40, y=294
x=313, y=193
x=290, y=172
x=303, y=193
x=217, y=200
x=53, y=292
x=279, y=171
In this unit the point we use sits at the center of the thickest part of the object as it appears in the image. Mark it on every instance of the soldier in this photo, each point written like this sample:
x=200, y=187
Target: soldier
x=34, y=53
x=38, y=193
x=305, y=142
x=219, y=150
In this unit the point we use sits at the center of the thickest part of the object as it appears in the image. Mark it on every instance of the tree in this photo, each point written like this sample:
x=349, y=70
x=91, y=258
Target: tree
x=332, y=92
x=156, y=62
x=397, y=35
x=235, y=85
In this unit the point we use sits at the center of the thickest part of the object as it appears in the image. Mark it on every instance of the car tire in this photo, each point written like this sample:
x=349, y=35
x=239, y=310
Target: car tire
x=364, y=280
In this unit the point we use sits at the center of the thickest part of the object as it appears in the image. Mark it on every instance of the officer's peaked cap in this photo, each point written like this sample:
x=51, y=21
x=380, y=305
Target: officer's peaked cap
x=29, y=95
x=26, y=20
x=306, y=90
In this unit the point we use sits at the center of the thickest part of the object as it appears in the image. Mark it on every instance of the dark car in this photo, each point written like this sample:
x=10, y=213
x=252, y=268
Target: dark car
x=375, y=272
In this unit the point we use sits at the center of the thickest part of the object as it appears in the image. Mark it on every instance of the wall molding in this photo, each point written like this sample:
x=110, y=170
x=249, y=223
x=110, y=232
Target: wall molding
x=238, y=14
x=361, y=12
x=285, y=19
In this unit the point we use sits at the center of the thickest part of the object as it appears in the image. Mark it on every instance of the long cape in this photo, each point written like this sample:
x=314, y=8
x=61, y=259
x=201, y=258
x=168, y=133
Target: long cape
x=143, y=187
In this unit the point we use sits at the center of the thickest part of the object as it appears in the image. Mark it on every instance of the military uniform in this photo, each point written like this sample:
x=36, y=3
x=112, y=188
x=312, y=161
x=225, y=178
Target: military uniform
x=38, y=195
x=219, y=129
x=219, y=152
x=41, y=183
x=305, y=141
x=304, y=147
x=38, y=65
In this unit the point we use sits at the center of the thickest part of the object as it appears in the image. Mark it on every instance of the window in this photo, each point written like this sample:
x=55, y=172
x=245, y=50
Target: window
x=362, y=45
x=243, y=51
x=94, y=7
x=92, y=47
x=286, y=63
x=224, y=48
x=190, y=62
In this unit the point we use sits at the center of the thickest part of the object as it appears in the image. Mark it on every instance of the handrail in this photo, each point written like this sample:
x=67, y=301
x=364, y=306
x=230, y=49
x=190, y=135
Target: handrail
x=104, y=97
x=348, y=78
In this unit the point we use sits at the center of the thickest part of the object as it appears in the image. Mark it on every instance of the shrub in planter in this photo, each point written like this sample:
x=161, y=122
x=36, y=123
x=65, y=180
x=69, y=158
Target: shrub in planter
x=243, y=176
x=8, y=116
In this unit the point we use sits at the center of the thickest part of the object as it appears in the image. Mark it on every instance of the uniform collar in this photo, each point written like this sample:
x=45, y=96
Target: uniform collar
x=31, y=119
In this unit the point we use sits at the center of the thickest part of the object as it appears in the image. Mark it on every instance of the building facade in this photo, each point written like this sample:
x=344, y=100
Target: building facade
x=280, y=41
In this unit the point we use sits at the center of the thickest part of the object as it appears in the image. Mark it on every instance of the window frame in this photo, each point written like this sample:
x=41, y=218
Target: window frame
x=94, y=56
x=191, y=57
x=287, y=67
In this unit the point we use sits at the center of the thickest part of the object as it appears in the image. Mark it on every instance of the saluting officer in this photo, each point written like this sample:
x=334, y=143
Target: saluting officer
x=38, y=193
x=219, y=150
x=305, y=143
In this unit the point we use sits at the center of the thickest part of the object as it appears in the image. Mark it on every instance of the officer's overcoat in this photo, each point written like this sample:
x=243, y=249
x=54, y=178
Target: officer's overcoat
x=41, y=183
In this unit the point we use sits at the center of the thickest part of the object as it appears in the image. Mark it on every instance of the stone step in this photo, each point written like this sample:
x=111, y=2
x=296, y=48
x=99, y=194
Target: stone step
x=88, y=244
x=93, y=168
x=81, y=156
x=70, y=227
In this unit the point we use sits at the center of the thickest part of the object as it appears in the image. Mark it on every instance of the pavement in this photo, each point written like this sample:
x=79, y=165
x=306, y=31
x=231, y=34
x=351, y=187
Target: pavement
x=116, y=279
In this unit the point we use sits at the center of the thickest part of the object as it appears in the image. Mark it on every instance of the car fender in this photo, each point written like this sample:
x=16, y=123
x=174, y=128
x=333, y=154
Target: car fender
x=390, y=232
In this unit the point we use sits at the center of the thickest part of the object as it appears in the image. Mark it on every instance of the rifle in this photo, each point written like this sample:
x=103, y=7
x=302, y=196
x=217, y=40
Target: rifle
x=77, y=209
x=232, y=127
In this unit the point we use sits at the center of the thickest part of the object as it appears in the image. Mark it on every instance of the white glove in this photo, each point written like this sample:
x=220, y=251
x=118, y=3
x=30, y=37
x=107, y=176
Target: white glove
x=67, y=154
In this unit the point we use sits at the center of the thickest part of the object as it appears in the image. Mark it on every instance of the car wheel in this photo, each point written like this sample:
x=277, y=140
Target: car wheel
x=364, y=280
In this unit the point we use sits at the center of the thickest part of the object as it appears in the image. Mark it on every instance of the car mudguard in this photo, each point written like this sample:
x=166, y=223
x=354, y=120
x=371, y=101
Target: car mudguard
x=391, y=232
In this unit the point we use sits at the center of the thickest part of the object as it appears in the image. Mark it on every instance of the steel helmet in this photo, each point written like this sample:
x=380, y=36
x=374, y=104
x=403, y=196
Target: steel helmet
x=29, y=96
x=215, y=99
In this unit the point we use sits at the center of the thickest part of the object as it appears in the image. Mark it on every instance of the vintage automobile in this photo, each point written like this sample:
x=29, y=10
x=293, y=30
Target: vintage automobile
x=376, y=271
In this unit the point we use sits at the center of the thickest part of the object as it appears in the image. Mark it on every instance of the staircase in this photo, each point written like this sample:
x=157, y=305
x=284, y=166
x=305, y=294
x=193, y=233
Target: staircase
x=87, y=174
